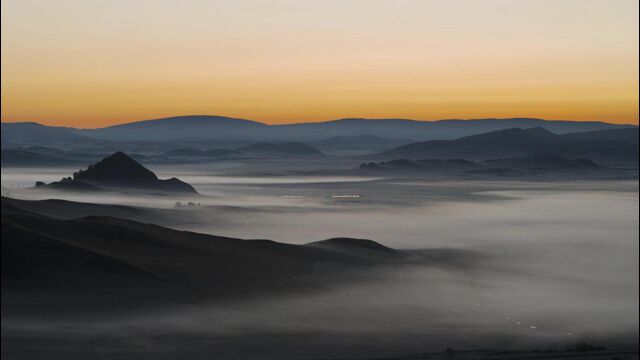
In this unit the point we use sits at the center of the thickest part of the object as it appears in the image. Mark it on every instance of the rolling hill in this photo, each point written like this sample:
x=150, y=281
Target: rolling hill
x=99, y=263
x=518, y=143
x=193, y=127
x=31, y=133
x=427, y=130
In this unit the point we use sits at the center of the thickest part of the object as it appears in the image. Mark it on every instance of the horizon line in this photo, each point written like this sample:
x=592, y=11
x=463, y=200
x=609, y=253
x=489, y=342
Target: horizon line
x=319, y=121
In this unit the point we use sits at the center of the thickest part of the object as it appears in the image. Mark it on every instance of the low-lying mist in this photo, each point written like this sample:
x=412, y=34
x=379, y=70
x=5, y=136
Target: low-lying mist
x=557, y=263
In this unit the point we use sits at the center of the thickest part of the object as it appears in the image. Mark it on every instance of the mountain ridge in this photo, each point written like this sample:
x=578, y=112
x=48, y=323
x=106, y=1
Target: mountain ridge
x=517, y=142
x=216, y=128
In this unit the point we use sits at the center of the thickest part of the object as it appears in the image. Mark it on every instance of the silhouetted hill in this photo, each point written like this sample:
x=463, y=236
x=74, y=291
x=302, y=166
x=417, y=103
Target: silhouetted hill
x=98, y=262
x=119, y=170
x=284, y=148
x=181, y=127
x=517, y=142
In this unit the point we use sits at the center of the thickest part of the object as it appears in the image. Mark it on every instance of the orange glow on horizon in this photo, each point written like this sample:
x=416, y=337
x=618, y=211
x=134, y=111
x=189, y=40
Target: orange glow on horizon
x=95, y=63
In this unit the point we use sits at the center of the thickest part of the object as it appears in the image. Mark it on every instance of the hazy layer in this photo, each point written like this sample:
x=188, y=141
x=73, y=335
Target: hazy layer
x=559, y=262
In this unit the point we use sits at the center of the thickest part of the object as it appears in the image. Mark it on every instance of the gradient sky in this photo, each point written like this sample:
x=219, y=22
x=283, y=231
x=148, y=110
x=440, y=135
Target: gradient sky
x=90, y=63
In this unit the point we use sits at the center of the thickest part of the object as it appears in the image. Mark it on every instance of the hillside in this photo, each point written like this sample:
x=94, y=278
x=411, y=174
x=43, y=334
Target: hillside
x=99, y=262
x=191, y=127
x=120, y=170
x=517, y=143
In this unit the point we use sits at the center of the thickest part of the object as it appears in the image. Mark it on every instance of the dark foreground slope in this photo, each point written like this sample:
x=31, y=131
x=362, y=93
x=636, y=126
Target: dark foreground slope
x=98, y=263
x=99, y=287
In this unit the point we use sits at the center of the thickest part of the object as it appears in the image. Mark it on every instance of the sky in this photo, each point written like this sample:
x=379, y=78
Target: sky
x=92, y=63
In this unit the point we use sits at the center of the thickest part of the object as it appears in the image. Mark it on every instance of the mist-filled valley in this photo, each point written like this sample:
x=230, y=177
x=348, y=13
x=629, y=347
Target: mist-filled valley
x=485, y=264
x=320, y=180
x=208, y=236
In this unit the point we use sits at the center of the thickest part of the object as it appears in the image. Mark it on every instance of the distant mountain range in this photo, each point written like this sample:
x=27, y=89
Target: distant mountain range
x=610, y=146
x=219, y=131
x=209, y=138
x=607, y=147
